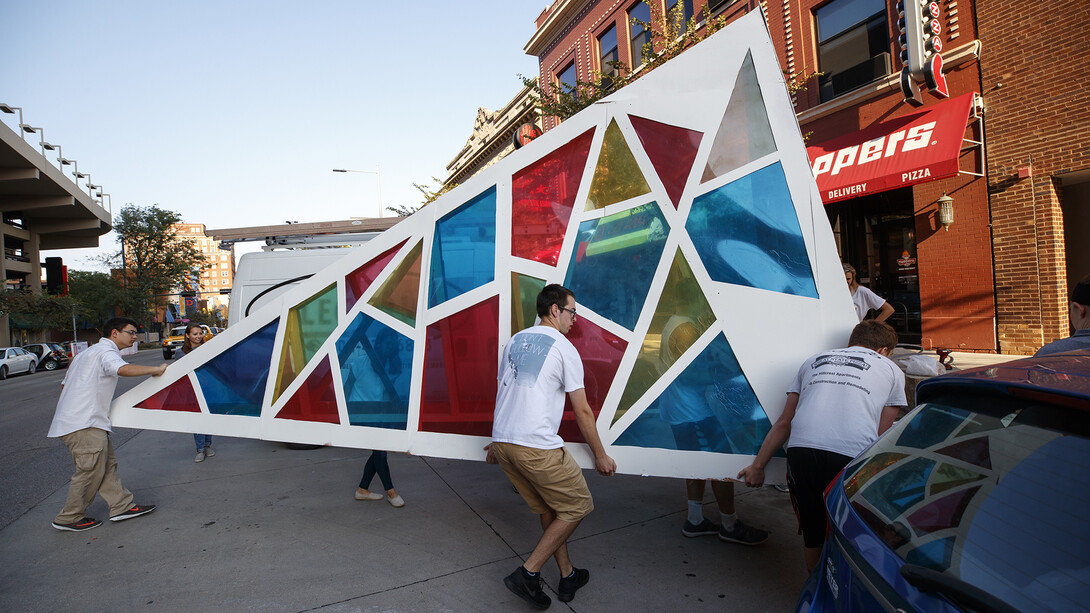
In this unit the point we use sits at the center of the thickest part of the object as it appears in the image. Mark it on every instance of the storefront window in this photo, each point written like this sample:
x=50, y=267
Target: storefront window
x=853, y=45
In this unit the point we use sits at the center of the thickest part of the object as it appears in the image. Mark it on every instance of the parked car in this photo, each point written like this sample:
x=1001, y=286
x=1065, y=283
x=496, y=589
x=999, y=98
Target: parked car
x=50, y=355
x=15, y=360
x=974, y=501
x=177, y=336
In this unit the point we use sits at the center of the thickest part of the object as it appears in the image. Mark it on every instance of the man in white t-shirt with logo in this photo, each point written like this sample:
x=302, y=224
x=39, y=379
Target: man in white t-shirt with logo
x=840, y=402
x=82, y=421
x=539, y=366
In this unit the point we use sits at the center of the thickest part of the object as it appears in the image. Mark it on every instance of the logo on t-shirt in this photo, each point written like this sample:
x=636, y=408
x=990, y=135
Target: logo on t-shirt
x=527, y=357
x=840, y=360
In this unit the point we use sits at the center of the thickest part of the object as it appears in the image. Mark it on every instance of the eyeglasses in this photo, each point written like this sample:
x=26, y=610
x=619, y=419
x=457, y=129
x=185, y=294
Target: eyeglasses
x=130, y=332
x=572, y=311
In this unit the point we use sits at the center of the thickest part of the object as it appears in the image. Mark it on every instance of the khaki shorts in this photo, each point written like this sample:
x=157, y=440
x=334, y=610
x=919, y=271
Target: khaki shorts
x=547, y=479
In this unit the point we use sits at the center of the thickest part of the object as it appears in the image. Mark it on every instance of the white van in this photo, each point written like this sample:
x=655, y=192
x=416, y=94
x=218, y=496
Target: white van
x=263, y=276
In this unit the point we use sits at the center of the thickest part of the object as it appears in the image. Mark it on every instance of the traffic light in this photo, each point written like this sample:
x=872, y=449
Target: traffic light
x=225, y=290
x=188, y=293
x=55, y=278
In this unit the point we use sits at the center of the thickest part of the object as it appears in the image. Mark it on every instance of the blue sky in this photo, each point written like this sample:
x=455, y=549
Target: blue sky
x=235, y=113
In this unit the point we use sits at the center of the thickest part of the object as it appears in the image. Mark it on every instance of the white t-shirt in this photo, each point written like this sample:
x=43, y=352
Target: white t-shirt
x=841, y=396
x=865, y=300
x=88, y=390
x=539, y=366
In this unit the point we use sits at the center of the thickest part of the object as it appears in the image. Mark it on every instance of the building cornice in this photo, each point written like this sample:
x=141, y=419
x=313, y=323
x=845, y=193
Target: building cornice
x=559, y=16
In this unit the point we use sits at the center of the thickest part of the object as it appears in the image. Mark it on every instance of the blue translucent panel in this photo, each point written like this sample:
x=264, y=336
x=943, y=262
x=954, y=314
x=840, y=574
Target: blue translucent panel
x=935, y=555
x=896, y=490
x=376, y=370
x=614, y=261
x=932, y=426
x=463, y=255
x=710, y=406
x=747, y=233
x=234, y=381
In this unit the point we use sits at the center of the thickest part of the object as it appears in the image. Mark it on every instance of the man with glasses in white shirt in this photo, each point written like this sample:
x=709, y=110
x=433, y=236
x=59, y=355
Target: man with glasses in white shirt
x=82, y=421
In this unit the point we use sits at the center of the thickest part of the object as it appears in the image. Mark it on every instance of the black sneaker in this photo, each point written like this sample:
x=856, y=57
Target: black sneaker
x=743, y=534
x=135, y=511
x=706, y=528
x=528, y=588
x=84, y=524
x=568, y=585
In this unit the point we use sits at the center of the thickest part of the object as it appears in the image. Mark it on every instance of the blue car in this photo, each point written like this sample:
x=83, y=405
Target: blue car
x=977, y=500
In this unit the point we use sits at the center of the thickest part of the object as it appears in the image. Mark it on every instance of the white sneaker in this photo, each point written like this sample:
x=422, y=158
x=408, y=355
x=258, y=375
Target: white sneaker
x=208, y=452
x=200, y=457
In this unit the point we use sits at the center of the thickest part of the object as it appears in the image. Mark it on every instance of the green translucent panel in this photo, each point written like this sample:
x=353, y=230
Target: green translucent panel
x=524, y=291
x=744, y=133
x=856, y=477
x=308, y=326
x=948, y=476
x=398, y=293
x=684, y=314
x=617, y=177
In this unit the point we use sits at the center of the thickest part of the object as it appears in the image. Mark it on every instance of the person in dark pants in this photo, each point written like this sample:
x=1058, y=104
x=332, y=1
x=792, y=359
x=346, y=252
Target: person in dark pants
x=377, y=464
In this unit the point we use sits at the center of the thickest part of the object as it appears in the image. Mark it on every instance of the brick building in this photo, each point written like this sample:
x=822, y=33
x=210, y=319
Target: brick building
x=994, y=276
x=220, y=273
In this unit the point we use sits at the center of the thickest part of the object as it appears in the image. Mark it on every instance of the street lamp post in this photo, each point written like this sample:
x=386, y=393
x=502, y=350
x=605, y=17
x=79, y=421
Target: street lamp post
x=378, y=182
x=7, y=108
x=29, y=129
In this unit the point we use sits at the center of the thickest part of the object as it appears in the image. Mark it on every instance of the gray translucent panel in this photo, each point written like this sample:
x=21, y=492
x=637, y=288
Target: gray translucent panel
x=747, y=233
x=744, y=133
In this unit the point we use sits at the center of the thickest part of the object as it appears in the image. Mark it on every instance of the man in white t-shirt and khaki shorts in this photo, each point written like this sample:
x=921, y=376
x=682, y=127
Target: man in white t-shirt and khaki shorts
x=539, y=366
x=840, y=402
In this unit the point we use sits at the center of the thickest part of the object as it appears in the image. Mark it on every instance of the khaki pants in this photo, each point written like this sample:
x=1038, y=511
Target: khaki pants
x=96, y=473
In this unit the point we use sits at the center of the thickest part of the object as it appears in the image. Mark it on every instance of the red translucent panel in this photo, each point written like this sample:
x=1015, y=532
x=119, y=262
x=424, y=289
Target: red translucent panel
x=315, y=400
x=178, y=396
x=601, y=352
x=943, y=513
x=974, y=451
x=460, y=365
x=672, y=151
x=357, y=281
x=542, y=197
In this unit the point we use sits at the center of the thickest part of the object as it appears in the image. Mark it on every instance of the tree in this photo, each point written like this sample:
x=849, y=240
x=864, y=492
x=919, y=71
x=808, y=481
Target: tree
x=37, y=311
x=671, y=35
x=98, y=295
x=153, y=259
x=429, y=196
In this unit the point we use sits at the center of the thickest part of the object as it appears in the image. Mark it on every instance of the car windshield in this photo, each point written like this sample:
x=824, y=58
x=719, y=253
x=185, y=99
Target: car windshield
x=989, y=490
x=179, y=331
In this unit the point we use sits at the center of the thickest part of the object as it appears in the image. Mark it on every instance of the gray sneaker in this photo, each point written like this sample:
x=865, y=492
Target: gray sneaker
x=200, y=457
x=705, y=528
x=743, y=534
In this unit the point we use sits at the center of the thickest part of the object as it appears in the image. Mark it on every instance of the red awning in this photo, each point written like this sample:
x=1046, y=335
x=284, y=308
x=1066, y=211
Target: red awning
x=920, y=146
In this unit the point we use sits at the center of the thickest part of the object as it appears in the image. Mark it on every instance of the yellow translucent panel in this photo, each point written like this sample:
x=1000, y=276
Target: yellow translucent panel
x=875, y=465
x=681, y=317
x=524, y=291
x=399, y=291
x=308, y=326
x=948, y=476
x=617, y=177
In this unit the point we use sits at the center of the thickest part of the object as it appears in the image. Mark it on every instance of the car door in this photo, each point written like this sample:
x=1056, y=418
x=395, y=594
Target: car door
x=27, y=359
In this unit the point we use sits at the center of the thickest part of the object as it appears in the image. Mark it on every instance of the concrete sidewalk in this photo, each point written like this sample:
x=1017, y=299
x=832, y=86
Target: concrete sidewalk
x=261, y=527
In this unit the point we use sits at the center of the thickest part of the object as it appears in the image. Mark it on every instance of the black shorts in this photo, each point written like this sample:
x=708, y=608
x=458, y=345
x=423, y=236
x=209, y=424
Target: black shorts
x=811, y=472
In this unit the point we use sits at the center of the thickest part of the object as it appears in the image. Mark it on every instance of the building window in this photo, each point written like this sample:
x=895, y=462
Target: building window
x=566, y=80
x=853, y=45
x=607, y=51
x=637, y=34
x=223, y=274
x=686, y=11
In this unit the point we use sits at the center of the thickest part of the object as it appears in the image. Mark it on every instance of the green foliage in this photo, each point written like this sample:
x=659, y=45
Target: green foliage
x=153, y=259
x=98, y=294
x=37, y=311
x=429, y=196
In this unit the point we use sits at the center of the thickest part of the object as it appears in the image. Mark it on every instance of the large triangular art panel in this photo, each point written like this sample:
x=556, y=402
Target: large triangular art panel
x=681, y=210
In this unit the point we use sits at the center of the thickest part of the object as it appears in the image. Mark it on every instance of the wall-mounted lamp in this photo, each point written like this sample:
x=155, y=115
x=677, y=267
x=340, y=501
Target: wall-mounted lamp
x=946, y=211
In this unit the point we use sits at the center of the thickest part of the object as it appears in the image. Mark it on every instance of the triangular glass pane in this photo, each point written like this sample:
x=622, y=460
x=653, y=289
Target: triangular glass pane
x=315, y=400
x=948, y=476
x=709, y=407
x=233, y=382
x=744, y=133
x=309, y=325
x=376, y=372
x=178, y=396
x=357, y=281
x=398, y=293
x=747, y=232
x=974, y=451
x=460, y=365
x=617, y=177
x=632, y=241
x=463, y=253
x=681, y=317
x=672, y=151
x=524, y=291
x=542, y=198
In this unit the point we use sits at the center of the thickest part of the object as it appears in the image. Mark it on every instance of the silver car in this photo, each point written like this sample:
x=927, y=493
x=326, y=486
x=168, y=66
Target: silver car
x=14, y=360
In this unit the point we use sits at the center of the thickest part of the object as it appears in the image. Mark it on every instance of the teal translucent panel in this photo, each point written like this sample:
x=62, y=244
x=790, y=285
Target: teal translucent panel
x=896, y=490
x=463, y=255
x=614, y=261
x=932, y=427
x=710, y=406
x=376, y=370
x=747, y=233
x=234, y=381
x=935, y=555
